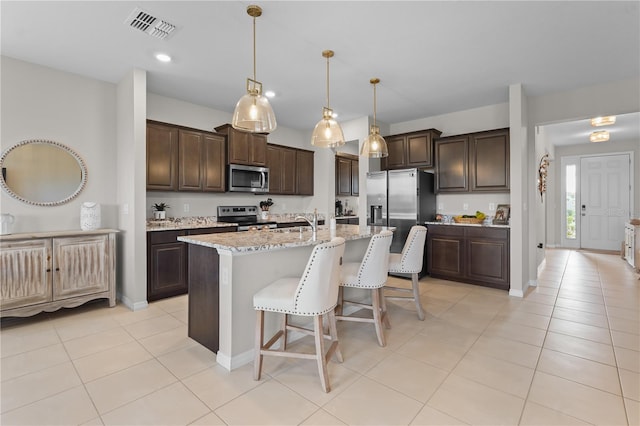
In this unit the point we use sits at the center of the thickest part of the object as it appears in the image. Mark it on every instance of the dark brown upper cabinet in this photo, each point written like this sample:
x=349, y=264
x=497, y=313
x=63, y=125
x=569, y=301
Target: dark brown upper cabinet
x=474, y=162
x=162, y=157
x=201, y=162
x=244, y=147
x=347, y=169
x=290, y=170
x=489, y=161
x=197, y=156
x=413, y=149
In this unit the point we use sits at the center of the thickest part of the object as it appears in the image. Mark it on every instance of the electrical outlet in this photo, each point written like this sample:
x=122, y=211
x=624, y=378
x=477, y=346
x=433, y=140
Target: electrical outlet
x=492, y=206
x=441, y=206
x=465, y=207
x=125, y=209
x=186, y=208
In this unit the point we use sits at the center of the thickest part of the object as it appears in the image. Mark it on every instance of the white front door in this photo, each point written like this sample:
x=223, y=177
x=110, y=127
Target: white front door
x=604, y=201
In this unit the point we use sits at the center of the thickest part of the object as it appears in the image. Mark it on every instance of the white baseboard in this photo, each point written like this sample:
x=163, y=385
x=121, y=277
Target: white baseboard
x=134, y=306
x=516, y=293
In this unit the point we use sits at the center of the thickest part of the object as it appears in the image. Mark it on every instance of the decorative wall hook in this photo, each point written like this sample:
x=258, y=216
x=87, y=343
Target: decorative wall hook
x=542, y=175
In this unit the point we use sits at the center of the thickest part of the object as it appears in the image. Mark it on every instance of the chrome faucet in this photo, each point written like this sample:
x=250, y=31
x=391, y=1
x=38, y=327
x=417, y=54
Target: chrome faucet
x=313, y=223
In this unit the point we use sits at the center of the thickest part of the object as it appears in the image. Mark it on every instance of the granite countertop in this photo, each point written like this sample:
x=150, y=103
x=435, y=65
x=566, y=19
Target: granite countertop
x=265, y=240
x=195, y=222
x=483, y=225
x=351, y=216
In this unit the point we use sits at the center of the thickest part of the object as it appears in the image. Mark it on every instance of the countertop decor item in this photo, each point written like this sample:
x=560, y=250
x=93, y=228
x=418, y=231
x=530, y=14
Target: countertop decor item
x=502, y=214
x=265, y=205
x=160, y=210
x=90, y=216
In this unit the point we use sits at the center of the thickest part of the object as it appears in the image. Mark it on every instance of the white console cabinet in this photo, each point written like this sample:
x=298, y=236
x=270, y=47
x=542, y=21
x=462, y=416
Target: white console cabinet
x=632, y=245
x=48, y=271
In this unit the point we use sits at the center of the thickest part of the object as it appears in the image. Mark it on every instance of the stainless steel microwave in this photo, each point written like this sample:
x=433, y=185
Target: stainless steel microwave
x=247, y=178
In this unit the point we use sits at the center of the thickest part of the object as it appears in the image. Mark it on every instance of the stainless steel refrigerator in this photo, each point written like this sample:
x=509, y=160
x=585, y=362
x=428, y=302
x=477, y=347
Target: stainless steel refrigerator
x=400, y=198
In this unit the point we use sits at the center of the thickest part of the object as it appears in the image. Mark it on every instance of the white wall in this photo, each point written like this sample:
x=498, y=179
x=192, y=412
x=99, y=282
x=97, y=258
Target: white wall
x=43, y=103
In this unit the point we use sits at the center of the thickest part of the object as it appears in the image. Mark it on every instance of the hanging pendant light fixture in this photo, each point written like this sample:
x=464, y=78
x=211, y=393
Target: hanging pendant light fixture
x=327, y=133
x=374, y=146
x=253, y=112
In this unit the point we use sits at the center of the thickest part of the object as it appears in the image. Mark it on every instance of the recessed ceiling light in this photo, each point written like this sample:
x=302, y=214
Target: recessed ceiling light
x=163, y=57
x=600, y=136
x=603, y=121
x=270, y=93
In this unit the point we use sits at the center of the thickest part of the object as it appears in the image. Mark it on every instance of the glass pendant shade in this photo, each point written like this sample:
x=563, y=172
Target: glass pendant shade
x=327, y=133
x=253, y=112
x=374, y=145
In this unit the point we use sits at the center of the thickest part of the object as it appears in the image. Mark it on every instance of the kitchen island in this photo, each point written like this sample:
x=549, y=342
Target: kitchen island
x=227, y=269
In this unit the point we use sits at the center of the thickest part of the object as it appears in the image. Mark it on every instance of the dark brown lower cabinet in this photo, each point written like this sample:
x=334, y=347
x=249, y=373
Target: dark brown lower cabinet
x=348, y=221
x=475, y=255
x=167, y=270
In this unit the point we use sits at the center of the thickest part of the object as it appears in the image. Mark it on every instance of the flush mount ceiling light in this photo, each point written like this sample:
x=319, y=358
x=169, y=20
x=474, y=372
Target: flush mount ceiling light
x=253, y=112
x=374, y=145
x=599, y=136
x=163, y=57
x=603, y=121
x=327, y=133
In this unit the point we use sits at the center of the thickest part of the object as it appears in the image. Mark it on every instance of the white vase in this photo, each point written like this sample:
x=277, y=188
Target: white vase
x=161, y=215
x=264, y=214
x=90, y=216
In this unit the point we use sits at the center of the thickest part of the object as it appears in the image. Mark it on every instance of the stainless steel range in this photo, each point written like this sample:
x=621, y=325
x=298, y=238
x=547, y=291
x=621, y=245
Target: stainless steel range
x=247, y=217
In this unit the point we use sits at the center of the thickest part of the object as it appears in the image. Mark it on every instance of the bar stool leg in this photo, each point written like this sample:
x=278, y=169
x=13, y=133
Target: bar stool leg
x=416, y=295
x=257, y=362
x=333, y=332
x=320, y=358
x=377, y=315
x=383, y=305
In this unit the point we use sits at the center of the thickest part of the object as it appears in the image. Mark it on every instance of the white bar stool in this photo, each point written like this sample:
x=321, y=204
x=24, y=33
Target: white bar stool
x=410, y=262
x=370, y=274
x=313, y=295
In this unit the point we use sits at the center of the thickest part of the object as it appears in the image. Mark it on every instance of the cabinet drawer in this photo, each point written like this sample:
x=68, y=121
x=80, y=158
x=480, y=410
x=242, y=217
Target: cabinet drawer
x=494, y=233
x=446, y=230
x=160, y=237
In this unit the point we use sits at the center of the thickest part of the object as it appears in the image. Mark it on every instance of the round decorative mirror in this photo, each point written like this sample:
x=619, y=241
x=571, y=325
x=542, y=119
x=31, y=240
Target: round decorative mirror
x=42, y=172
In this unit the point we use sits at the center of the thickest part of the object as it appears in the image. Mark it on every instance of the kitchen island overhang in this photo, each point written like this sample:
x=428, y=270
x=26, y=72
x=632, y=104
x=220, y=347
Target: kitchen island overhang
x=227, y=269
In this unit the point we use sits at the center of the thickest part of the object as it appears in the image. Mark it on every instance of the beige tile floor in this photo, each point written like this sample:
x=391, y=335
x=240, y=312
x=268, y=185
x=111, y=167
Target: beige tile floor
x=568, y=353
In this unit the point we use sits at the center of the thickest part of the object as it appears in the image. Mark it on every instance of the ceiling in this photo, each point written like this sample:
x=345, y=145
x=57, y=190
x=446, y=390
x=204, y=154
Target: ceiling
x=432, y=57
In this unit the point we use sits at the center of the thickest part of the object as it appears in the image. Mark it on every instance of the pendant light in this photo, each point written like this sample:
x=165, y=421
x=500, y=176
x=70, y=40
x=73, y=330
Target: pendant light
x=253, y=112
x=374, y=145
x=327, y=133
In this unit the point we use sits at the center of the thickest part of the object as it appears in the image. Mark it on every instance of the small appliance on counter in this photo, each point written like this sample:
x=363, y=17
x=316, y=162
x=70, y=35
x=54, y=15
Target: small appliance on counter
x=338, y=208
x=245, y=216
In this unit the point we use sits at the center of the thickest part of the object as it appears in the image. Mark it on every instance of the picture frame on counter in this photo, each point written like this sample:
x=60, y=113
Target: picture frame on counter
x=502, y=214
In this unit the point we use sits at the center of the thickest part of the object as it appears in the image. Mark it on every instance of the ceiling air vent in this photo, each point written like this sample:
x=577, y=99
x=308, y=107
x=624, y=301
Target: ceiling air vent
x=149, y=24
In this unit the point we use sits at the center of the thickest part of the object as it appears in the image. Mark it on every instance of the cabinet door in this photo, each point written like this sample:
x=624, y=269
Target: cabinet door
x=257, y=150
x=488, y=261
x=304, y=172
x=289, y=170
x=166, y=264
x=25, y=273
x=489, y=161
x=343, y=176
x=213, y=164
x=237, y=146
x=452, y=159
x=190, y=161
x=397, y=158
x=162, y=157
x=445, y=256
x=274, y=163
x=355, y=177
x=420, y=150
x=81, y=265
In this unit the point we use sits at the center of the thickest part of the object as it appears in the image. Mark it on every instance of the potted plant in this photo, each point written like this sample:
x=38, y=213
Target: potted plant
x=160, y=210
x=264, y=206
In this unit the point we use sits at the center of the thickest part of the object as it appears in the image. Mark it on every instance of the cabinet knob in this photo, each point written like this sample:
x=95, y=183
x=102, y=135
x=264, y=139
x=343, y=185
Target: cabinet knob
x=48, y=269
x=57, y=269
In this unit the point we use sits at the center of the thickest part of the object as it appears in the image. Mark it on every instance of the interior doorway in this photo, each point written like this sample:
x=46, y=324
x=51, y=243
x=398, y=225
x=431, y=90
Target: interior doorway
x=596, y=200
